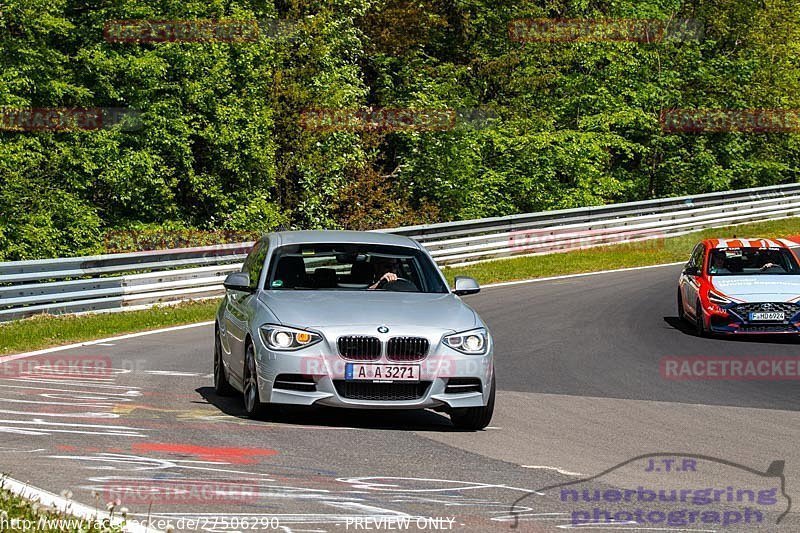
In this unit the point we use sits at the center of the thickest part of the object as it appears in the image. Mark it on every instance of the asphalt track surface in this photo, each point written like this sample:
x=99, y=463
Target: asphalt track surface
x=580, y=394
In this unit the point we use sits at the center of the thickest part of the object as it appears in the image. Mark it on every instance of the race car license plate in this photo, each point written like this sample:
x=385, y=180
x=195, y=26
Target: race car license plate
x=363, y=372
x=772, y=316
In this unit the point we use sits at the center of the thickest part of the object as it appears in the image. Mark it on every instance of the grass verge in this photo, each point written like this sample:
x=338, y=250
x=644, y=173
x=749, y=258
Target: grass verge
x=21, y=515
x=46, y=331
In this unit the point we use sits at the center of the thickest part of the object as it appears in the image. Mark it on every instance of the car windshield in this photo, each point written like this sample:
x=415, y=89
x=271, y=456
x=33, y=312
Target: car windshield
x=353, y=267
x=751, y=262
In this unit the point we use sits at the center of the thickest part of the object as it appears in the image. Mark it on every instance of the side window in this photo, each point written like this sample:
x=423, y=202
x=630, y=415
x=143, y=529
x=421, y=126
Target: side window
x=258, y=263
x=697, y=257
x=254, y=263
x=248, y=261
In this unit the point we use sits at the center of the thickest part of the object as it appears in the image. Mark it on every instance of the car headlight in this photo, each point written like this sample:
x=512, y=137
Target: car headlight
x=718, y=299
x=472, y=342
x=284, y=338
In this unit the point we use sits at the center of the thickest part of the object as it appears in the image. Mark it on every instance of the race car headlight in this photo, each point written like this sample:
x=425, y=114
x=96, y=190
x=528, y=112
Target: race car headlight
x=718, y=299
x=472, y=342
x=284, y=338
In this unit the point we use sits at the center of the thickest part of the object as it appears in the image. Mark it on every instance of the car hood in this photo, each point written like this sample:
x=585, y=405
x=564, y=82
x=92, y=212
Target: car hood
x=342, y=308
x=759, y=288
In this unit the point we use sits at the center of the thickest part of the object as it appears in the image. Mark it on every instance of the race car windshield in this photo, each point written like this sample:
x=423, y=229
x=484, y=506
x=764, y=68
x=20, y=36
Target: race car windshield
x=752, y=262
x=353, y=267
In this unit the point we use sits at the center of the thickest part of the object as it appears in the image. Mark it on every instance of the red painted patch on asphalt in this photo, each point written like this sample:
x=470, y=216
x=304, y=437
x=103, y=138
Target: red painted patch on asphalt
x=230, y=455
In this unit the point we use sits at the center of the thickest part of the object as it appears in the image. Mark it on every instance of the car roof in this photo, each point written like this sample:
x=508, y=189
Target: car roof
x=342, y=236
x=739, y=242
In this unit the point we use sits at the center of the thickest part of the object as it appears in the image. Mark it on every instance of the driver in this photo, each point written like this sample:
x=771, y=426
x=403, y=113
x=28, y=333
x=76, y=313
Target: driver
x=718, y=264
x=386, y=269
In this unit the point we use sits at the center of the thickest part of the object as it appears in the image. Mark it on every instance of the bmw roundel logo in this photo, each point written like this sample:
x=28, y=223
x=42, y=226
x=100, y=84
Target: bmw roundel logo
x=383, y=329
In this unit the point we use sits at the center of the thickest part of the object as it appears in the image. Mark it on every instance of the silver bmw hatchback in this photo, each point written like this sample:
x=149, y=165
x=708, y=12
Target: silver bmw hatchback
x=355, y=320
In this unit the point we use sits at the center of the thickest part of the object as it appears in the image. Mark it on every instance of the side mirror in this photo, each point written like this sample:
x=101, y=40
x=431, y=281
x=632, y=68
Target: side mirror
x=465, y=285
x=238, y=281
x=691, y=271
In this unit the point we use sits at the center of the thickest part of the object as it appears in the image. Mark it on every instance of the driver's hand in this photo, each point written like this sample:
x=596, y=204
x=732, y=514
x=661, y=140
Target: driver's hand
x=768, y=265
x=388, y=277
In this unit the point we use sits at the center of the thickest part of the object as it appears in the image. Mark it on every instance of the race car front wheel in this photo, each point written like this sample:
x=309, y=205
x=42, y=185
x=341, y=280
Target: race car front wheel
x=700, y=322
x=681, y=312
x=221, y=384
x=252, y=399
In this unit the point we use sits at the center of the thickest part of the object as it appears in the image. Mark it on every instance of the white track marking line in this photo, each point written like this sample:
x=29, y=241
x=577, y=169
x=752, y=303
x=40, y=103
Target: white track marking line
x=581, y=275
x=172, y=373
x=40, y=422
x=75, y=509
x=70, y=404
x=81, y=394
x=79, y=383
x=554, y=468
x=102, y=341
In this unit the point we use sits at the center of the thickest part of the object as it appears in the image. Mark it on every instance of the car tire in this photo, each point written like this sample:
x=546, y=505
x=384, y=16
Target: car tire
x=681, y=312
x=221, y=384
x=475, y=418
x=252, y=398
x=700, y=324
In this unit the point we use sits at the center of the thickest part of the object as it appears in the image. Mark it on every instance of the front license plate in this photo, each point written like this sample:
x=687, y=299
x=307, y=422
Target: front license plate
x=361, y=372
x=767, y=316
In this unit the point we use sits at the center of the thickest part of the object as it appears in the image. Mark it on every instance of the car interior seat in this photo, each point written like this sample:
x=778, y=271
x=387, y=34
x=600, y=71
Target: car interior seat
x=361, y=272
x=325, y=278
x=734, y=264
x=291, y=270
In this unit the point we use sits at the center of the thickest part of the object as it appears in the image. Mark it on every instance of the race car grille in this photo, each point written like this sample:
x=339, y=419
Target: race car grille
x=359, y=348
x=407, y=348
x=781, y=328
x=788, y=309
x=383, y=392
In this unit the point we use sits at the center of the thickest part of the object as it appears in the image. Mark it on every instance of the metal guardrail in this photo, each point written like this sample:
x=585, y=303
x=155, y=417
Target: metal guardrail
x=133, y=280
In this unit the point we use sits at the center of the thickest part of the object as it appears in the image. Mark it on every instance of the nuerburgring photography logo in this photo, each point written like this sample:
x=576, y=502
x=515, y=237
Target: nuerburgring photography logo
x=665, y=491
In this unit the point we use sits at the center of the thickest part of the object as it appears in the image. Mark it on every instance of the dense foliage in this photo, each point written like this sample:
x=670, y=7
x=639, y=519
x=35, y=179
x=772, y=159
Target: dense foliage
x=221, y=146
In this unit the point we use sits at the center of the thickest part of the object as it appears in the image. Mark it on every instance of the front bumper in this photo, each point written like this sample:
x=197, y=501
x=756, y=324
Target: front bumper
x=322, y=371
x=734, y=320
